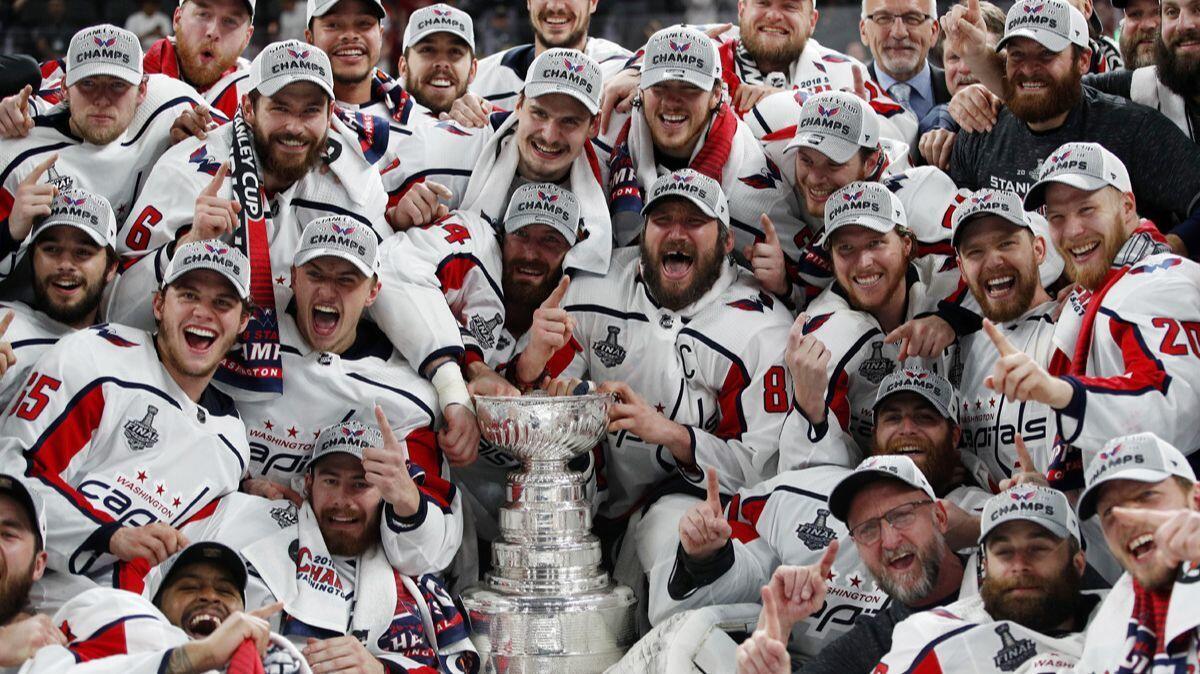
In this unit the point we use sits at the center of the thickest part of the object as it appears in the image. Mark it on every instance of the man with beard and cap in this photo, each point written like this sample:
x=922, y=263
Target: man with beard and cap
x=285, y=138
x=113, y=124
x=1144, y=494
x=73, y=259
x=334, y=361
x=351, y=33
x=438, y=63
x=1124, y=360
x=692, y=348
x=1045, y=52
x=1139, y=32
x=119, y=431
x=725, y=557
x=900, y=34
x=1029, y=613
x=22, y=563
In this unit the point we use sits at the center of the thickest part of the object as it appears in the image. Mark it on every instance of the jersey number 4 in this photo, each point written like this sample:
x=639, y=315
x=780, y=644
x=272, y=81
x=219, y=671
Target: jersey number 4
x=35, y=396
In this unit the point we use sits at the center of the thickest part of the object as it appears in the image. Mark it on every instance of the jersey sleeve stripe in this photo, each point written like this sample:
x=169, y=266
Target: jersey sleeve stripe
x=29, y=154
x=453, y=271
x=158, y=111
x=108, y=640
x=424, y=452
x=1144, y=372
x=66, y=438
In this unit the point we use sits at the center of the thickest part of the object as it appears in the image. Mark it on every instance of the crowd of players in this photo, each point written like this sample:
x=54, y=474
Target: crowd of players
x=905, y=362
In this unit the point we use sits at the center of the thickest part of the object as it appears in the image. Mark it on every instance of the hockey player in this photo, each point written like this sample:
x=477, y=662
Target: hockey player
x=727, y=559
x=839, y=351
x=129, y=442
x=693, y=350
x=110, y=128
x=336, y=364
x=1124, y=357
x=73, y=259
x=285, y=142
x=439, y=61
x=1029, y=612
x=684, y=122
x=23, y=556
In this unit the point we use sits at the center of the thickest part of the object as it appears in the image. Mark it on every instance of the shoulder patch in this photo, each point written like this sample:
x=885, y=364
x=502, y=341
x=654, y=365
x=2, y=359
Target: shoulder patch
x=768, y=178
x=1161, y=265
x=815, y=322
x=759, y=304
x=205, y=163
x=113, y=338
x=452, y=127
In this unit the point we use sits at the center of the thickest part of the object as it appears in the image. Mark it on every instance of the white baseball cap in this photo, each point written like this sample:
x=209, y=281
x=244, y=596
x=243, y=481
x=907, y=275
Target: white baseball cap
x=1085, y=166
x=104, y=50
x=342, y=237
x=930, y=385
x=544, y=204
x=872, y=469
x=680, y=54
x=83, y=210
x=214, y=255
x=249, y=5
x=836, y=124
x=694, y=186
x=871, y=205
x=288, y=62
x=439, y=18
x=34, y=506
x=1054, y=24
x=347, y=437
x=1035, y=503
x=322, y=7
x=565, y=71
x=1000, y=203
x=1143, y=457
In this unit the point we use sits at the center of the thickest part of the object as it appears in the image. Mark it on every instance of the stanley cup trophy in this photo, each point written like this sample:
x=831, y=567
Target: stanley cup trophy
x=547, y=606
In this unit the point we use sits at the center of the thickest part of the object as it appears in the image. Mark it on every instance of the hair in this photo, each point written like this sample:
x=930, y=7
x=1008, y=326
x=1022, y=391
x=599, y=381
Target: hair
x=863, y=8
x=993, y=17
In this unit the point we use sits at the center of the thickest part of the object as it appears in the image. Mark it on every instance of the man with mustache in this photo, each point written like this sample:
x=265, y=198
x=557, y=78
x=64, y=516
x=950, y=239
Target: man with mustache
x=1140, y=24
x=725, y=558
x=119, y=431
x=899, y=34
x=439, y=61
x=22, y=563
x=1045, y=54
x=694, y=351
x=1029, y=611
x=288, y=141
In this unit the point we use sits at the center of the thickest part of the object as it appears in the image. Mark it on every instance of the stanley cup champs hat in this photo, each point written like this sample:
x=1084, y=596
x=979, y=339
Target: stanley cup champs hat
x=1000, y=203
x=1054, y=24
x=870, y=205
x=544, y=204
x=930, y=385
x=836, y=124
x=1032, y=503
x=873, y=468
x=339, y=236
x=288, y=62
x=694, y=186
x=680, y=54
x=322, y=7
x=104, y=50
x=565, y=71
x=347, y=437
x=83, y=210
x=1143, y=457
x=1084, y=166
x=439, y=18
x=214, y=255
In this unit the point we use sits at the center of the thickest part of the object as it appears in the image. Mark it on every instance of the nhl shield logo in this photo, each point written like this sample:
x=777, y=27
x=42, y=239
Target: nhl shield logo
x=482, y=328
x=1013, y=652
x=876, y=367
x=608, y=350
x=816, y=535
x=140, y=433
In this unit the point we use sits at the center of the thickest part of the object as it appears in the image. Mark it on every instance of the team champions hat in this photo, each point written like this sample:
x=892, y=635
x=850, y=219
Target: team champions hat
x=544, y=204
x=836, y=124
x=1000, y=203
x=205, y=552
x=1084, y=166
x=249, y=5
x=680, y=54
x=565, y=71
x=872, y=469
x=288, y=62
x=1032, y=503
x=694, y=186
x=339, y=236
x=348, y=437
x=869, y=205
x=214, y=255
x=1143, y=457
x=322, y=7
x=32, y=503
x=104, y=50
x=83, y=210
x=931, y=386
x=439, y=18
x=1052, y=23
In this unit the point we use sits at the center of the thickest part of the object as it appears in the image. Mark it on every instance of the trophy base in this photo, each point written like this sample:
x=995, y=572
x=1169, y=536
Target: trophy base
x=578, y=634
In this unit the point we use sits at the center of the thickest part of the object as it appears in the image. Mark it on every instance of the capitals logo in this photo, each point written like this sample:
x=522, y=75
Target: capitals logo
x=344, y=231
x=104, y=43
x=112, y=337
x=571, y=67
x=835, y=58
x=74, y=202
x=547, y=198
x=765, y=179
x=1058, y=158
x=453, y=128
x=441, y=12
x=203, y=161
x=679, y=48
x=1105, y=456
x=352, y=432
x=216, y=250
x=983, y=199
x=826, y=112
x=1161, y=265
x=1014, y=495
x=683, y=178
x=853, y=196
x=915, y=375
x=1034, y=9
x=298, y=54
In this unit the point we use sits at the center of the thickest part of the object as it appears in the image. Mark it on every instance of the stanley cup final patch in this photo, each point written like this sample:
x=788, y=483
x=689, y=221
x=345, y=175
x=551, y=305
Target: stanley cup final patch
x=140, y=433
x=1013, y=651
x=816, y=535
x=608, y=350
x=877, y=366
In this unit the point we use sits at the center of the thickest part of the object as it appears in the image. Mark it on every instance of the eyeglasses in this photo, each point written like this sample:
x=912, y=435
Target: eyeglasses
x=910, y=19
x=900, y=517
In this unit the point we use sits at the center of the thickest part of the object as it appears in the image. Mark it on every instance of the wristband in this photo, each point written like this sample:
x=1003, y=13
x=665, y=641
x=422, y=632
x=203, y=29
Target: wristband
x=451, y=388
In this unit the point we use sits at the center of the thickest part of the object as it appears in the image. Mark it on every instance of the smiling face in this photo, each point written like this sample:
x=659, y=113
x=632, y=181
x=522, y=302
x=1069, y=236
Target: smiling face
x=533, y=257
x=1133, y=544
x=199, y=318
x=958, y=73
x=906, y=424
x=1042, y=85
x=352, y=35
x=1139, y=33
x=870, y=266
x=437, y=70
x=1088, y=229
x=999, y=262
x=347, y=508
x=21, y=561
x=899, y=50
x=102, y=107
x=905, y=562
x=776, y=31
x=1033, y=577
x=1178, y=49
x=551, y=132
x=560, y=23
x=818, y=176
x=331, y=295
x=200, y=597
x=289, y=130
x=210, y=35
x=682, y=251
x=677, y=114
x=69, y=275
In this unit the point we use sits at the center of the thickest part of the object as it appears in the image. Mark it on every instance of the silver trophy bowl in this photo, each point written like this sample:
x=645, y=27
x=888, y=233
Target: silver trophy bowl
x=546, y=606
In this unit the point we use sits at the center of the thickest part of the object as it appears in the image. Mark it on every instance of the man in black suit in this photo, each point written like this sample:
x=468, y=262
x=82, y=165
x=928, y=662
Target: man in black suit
x=899, y=34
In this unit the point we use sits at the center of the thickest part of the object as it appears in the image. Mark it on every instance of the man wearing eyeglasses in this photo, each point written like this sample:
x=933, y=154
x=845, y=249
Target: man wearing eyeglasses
x=899, y=34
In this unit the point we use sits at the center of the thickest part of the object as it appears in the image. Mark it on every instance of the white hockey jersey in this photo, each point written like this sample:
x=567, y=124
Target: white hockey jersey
x=321, y=389
x=718, y=370
x=31, y=333
x=500, y=77
x=963, y=637
x=109, y=439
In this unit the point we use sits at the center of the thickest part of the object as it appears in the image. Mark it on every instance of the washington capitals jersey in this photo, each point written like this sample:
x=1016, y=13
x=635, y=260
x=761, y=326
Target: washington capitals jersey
x=500, y=77
x=31, y=333
x=717, y=369
x=108, y=439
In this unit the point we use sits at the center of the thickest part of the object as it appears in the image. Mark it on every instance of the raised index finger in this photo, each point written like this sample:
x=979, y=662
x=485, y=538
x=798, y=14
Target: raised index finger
x=1004, y=346
x=712, y=489
x=972, y=10
x=772, y=237
x=1154, y=518
x=40, y=169
x=557, y=294
x=268, y=610
x=4, y=322
x=211, y=189
x=827, y=559
x=25, y=93
x=1023, y=455
x=385, y=429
